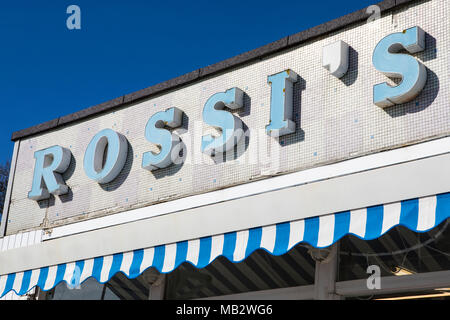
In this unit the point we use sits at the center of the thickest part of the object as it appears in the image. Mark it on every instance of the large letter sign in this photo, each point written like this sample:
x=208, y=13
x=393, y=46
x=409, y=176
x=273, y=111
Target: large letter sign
x=47, y=179
x=105, y=156
x=281, y=96
x=155, y=133
x=392, y=64
x=230, y=125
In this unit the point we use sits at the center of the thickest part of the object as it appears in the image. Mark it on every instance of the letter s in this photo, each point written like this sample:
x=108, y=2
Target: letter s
x=51, y=163
x=230, y=125
x=387, y=60
x=155, y=133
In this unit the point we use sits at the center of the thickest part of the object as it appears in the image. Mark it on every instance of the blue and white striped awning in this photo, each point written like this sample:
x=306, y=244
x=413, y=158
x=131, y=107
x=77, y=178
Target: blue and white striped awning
x=420, y=215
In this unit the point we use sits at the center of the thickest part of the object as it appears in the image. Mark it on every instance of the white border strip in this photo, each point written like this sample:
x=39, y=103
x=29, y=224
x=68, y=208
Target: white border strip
x=381, y=159
x=12, y=171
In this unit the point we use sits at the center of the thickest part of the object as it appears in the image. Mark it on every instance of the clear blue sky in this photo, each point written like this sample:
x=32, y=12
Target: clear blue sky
x=47, y=71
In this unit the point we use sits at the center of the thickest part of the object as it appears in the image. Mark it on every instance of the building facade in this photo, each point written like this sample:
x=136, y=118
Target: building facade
x=315, y=167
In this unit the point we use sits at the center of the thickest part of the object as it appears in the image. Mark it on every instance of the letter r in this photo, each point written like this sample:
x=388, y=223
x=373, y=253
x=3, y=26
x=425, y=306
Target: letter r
x=47, y=178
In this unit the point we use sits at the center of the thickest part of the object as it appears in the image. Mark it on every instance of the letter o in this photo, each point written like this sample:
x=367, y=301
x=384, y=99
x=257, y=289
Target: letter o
x=105, y=156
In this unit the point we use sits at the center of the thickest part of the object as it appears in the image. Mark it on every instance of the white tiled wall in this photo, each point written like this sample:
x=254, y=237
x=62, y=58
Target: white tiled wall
x=336, y=119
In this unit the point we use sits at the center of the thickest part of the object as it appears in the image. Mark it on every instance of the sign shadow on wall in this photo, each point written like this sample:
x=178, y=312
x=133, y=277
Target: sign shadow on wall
x=352, y=73
x=122, y=177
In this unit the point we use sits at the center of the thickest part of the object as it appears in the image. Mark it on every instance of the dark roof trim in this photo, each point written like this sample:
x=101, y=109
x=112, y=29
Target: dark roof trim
x=185, y=79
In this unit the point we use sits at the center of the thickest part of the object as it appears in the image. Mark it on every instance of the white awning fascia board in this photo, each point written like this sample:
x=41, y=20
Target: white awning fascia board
x=390, y=184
